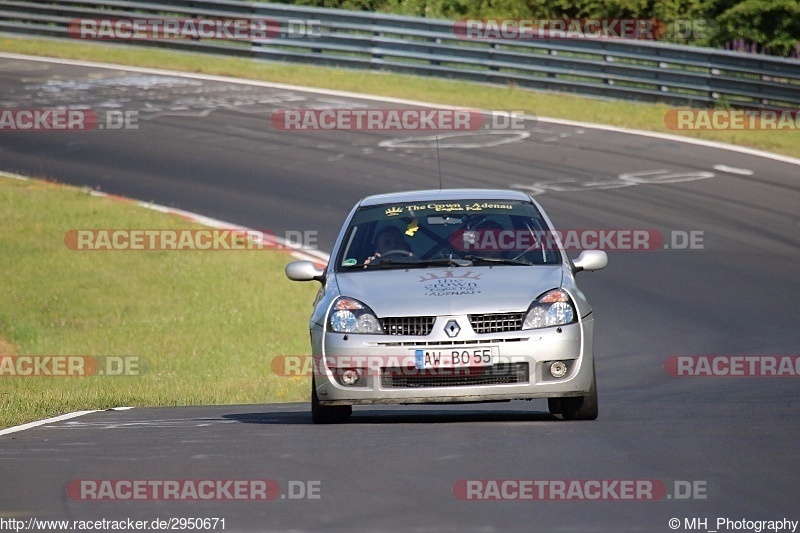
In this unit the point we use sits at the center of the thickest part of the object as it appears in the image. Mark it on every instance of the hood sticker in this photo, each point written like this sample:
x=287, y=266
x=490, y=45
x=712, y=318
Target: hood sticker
x=451, y=284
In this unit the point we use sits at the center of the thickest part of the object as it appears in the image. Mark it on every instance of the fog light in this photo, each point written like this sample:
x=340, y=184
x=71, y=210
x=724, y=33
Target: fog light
x=558, y=369
x=350, y=377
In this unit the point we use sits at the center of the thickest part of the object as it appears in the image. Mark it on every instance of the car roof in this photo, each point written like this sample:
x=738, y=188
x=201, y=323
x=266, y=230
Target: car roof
x=444, y=195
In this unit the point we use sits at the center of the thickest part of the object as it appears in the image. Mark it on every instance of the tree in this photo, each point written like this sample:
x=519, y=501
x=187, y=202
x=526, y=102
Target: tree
x=768, y=26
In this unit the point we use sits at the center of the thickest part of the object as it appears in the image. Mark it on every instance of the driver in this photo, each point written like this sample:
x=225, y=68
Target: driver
x=490, y=248
x=389, y=240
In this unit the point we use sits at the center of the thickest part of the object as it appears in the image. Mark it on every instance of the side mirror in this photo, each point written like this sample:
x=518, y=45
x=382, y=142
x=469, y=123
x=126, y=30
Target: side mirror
x=590, y=260
x=304, y=271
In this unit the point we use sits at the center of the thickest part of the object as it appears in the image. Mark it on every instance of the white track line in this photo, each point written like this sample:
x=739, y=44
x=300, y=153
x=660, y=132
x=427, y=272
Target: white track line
x=294, y=249
x=31, y=425
x=346, y=94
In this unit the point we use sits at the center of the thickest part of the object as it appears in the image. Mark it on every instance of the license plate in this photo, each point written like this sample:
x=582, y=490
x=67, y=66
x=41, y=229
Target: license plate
x=455, y=357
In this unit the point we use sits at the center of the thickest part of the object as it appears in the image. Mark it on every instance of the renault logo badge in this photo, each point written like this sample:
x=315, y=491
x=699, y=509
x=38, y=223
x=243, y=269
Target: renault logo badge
x=452, y=328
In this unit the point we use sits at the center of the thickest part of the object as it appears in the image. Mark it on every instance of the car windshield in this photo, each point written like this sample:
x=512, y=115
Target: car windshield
x=450, y=233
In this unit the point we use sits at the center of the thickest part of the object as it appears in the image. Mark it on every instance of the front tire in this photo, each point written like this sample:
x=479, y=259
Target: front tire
x=327, y=414
x=576, y=407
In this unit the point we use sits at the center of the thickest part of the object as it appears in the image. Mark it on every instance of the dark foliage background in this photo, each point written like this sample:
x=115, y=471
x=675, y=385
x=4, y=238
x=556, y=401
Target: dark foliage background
x=757, y=26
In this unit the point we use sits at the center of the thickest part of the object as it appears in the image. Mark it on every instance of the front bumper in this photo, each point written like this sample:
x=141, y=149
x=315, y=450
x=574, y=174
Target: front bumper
x=520, y=369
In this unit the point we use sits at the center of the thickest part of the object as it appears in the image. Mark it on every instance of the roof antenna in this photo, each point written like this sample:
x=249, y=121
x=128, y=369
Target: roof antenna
x=438, y=163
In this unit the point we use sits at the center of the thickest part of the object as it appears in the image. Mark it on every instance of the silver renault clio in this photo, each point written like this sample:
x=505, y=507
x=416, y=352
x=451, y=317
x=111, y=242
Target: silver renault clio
x=462, y=295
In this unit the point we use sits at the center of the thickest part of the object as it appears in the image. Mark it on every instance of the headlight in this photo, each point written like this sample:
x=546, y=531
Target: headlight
x=553, y=308
x=351, y=316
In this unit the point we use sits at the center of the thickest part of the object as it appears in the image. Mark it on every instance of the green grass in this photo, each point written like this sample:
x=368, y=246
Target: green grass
x=617, y=113
x=208, y=323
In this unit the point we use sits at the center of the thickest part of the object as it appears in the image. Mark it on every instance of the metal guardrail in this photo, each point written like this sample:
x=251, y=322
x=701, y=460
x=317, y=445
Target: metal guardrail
x=624, y=69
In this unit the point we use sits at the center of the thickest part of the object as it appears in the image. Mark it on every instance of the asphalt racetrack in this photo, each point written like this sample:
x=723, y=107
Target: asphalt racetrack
x=722, y=281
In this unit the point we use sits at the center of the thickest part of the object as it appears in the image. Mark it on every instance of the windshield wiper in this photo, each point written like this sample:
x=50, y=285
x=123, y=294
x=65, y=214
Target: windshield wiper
x=379, y=262
x=420, y=263
x=441, y=261
x=412, y=263
x=497, y=260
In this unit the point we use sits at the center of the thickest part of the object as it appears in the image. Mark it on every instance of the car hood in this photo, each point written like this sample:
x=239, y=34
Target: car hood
x=449, y=291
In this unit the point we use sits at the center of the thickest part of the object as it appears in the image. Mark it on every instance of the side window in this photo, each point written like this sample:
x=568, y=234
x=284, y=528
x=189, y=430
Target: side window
x=357, y=243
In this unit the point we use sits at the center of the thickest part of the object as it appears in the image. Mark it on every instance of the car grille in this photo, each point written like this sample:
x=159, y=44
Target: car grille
x=418, y=343
x=496, y=323
x=411, y=378
x=407, y=325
